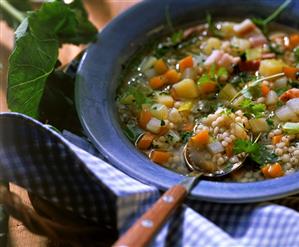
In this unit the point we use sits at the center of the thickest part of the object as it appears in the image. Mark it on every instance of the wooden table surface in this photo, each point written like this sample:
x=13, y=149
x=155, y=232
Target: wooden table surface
x=100, y=12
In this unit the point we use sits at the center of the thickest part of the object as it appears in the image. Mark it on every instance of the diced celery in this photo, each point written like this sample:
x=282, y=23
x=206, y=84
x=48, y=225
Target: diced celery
x=291, y=128
x=253, y=54
x=228, y=92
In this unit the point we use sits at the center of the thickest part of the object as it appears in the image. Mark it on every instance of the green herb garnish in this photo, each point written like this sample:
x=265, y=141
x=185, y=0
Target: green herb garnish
x=185, y=136
x=280, y=91
x=257, y=152
x=132, y=132
x=252, y=109
x=212, y=76
x=212, y=26
x=139, y=95
x=263, y=23
x=242, y=77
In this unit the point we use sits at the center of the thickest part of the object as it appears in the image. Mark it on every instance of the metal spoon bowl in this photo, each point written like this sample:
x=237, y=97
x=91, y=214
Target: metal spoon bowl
x=145, y=228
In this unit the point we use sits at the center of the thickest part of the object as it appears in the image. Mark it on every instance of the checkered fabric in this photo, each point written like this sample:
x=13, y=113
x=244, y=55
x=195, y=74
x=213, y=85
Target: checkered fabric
x=66, y=172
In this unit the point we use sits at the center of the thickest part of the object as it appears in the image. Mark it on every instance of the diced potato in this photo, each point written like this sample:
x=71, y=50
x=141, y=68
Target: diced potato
x=271, y=66
x=211, y=44
x=186, y=106
x=174, y=116
x=166, y=100
x=239, y=132
x=227, y=29
x=240, y=44
x=228, y=92
x=253, y=54
x=259, y=125
x=159, y=111
x=154, y=125
x=186, y=89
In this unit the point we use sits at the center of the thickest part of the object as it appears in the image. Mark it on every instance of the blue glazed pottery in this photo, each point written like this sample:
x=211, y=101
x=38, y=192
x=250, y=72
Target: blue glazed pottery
x=98, y=79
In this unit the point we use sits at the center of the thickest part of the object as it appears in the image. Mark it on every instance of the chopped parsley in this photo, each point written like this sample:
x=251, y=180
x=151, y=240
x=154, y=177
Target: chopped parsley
x=185, y=136
x=257, y=152
x=252, y=109
x=212, y=75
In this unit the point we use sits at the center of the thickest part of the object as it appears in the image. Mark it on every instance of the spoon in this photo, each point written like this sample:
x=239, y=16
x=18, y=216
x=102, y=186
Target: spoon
x=145, y=228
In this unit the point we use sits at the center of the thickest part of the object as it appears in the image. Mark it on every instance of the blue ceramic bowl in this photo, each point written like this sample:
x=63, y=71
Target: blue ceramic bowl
x=98, y=79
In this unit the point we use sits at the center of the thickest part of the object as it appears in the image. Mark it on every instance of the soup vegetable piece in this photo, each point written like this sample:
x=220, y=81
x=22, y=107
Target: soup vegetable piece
x=229, y=89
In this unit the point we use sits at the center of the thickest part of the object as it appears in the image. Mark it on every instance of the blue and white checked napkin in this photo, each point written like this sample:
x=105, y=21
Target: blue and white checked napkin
x=68, y=172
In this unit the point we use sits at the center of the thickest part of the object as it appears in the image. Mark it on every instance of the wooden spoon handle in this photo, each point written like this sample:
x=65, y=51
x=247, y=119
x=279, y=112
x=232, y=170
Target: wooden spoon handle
x=145, y=228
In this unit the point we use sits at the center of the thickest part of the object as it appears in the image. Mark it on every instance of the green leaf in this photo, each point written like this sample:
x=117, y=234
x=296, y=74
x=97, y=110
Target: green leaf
x=30, y=64
x=35, y=56
x=257, y=152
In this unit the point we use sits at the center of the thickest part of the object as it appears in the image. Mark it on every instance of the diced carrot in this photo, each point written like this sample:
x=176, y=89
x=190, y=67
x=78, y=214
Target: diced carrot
x=291, y=72
x=276, y=139
x=272, y=171
x=229, y=150
x=293, y=40
x=160, y=157
x=290, y=94
x=144, y=117
x=276, y=170
x=160, y=66
x=208, y=87
x=201, y=138
x=163, y=130
x=265, y=89
x=145, y=141
x=172, y=76
x=265, y=171
x=186, y=62
x=157, y=81
x=187, y=126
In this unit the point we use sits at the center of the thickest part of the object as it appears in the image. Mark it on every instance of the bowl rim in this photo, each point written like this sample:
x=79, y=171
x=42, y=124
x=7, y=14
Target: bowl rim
x=228, y=192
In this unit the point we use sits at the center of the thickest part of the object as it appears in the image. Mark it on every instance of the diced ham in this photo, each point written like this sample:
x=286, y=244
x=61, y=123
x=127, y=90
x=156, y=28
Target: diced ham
x=257, y=40
x=227, y=61
x=290, y=94
x=215, y=56
x=221, y=59
x=245, y=27
x=268, y=55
